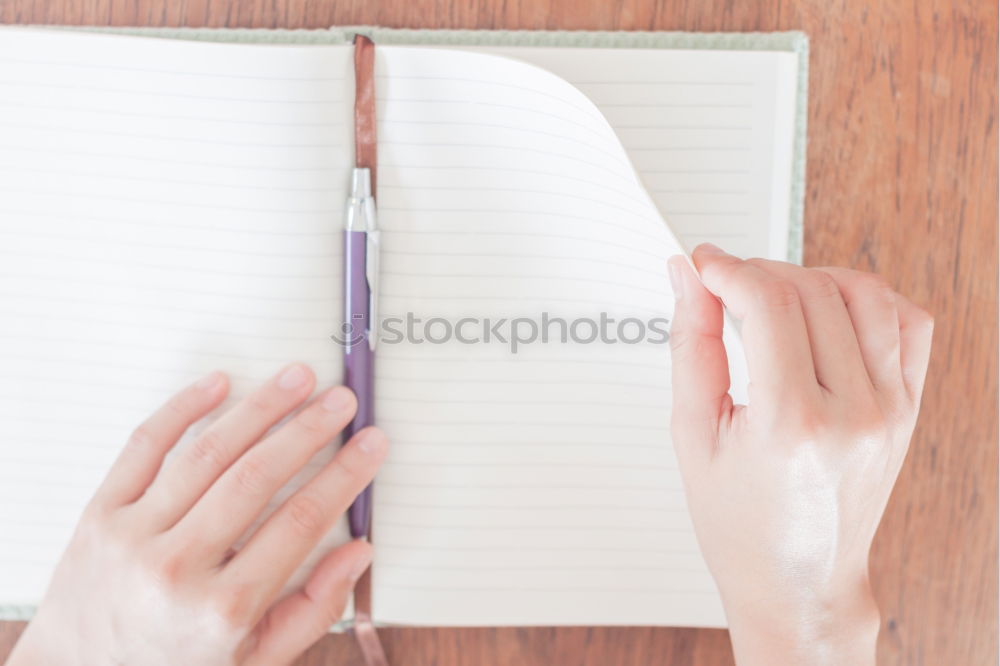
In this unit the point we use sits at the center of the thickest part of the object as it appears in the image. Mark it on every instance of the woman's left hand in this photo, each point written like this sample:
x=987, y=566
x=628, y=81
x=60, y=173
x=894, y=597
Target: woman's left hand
x=150, y=576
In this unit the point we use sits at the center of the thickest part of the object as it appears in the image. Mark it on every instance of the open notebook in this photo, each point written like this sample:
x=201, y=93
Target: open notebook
x=168, y=207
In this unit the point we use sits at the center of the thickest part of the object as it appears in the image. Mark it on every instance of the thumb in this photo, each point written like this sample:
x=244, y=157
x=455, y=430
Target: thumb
x=299, y=620
x=700, y=366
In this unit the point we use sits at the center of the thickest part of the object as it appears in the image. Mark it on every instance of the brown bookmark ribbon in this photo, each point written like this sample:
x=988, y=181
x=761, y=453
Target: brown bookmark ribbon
x=364, y=105
x=365, y=157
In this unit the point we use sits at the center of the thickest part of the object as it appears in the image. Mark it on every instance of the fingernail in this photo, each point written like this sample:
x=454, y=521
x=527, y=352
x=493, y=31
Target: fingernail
x=708, y=248
x=371, y=440
x=337, y=399
x=361, y=566
x=676, y=279
x=209, y=381
x=293, y=377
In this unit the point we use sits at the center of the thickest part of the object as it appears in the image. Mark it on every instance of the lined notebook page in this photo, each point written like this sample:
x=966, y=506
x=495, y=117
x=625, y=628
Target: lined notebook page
x=710, y=133
x=538, y=487
x=166, y=208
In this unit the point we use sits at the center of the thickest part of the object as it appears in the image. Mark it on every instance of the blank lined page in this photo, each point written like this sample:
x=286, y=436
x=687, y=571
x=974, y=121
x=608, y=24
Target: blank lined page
x=166, y=208
x=710, y=133
x=536, y=487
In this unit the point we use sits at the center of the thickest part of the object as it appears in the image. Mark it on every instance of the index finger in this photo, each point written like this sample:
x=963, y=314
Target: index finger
x=140, y=461
x=282, y=543
x=779, y=358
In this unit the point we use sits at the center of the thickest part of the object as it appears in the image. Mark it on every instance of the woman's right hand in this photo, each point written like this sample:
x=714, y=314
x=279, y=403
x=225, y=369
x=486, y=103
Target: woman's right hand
x=787, y=491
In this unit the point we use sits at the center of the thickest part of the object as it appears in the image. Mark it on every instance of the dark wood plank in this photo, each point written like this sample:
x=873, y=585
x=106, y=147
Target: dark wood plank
x=902, y=179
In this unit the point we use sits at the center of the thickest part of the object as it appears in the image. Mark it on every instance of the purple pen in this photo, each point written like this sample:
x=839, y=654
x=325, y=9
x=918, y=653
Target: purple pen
x=360, y=322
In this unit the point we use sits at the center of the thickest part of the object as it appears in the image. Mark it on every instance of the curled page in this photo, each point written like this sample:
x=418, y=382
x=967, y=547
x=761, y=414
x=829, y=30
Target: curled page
x=529, y=481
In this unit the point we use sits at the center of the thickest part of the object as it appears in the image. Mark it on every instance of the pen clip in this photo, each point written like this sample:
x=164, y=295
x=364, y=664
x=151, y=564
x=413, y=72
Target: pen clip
x=371, y=274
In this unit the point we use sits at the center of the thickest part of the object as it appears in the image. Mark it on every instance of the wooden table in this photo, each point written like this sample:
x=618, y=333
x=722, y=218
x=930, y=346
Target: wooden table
x=902, y=179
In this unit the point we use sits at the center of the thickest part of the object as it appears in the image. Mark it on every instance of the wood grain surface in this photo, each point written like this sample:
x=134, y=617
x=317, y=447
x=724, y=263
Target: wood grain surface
x=902, y=179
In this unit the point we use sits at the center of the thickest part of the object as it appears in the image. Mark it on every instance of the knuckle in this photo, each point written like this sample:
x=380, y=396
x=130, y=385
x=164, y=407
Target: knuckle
x=260, y=402
x=805, y=421
x=871, y=424
x=689, y=345
x=167, y=566
x=778, y=295
x=878, y=287
x=874, y=281
x=723, y=268
x=874, y=426
x=179, y=405
x=141, y=438
x=306, y=514
x=350, y=468
x=252, y=476
x=208, y=449
x=811, y=426
x=310, y=424
x=808, y=425
x=757, y=266
x=235, y=604
x=822, y=284
x=742, y=270
x=680, y=340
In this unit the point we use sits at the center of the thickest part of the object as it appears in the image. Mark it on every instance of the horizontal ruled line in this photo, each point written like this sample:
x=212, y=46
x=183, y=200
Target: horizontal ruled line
x=576, y=361
x=517, y=190
x=173, y=72
x=90, y=131
x=535, y=382
x=323, y=301
x=555, y=487
x=706, y=149
x=602, y=134
x=170, y=202
x=444, y=568
x=156, y=116
x=520, y=589
x=161, y=326
x=134, y=221
x=522, y=149
x=539, y=549
x=159, y=93
x=185, y=267
x=526, y=276
x=534, y=444
x=533, y=507
x=614, y=155
x=384, y=165
x=546, y=403
x=159, y=160
x=17, y=296
x=539, y=465
x=500, y=84
x=590, y=528
x=121, y=344
x=453, y=233
x=663, y=82
x=713, y=128
x=520, y=255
